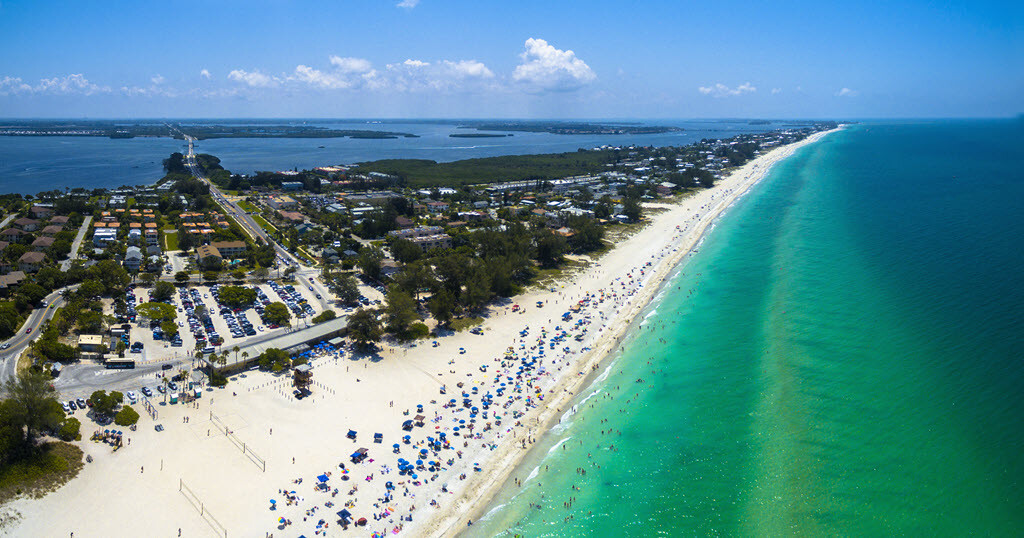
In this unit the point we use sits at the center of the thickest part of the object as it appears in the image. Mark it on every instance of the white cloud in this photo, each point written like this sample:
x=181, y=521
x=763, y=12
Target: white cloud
x=469, y=68
x=408, y=4
x=9, y=85
x=846, y=92
x=158, y=79
x=205, y=74
x=315, y=77
x=415, y=63
x=254, y=79
x=776, y=90
x=66, y=85
x=721, y=90
x=546, y=68
x=351, y=65
x=445, y=75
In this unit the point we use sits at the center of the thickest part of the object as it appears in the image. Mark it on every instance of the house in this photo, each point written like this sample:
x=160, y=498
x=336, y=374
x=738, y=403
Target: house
x=154, y=250
x=437, y=207
x=208, y=254
x=27, y=224
x=133, y=258
x=12, y=235
x=52, y=230
x=41, y=212
x=60, y=220
x=304, y=227
x=229, y=249
x=134, y=236
x=104, y=236
x=403, y=222
x=664, y=188
x=29, y=262
x=9, y=280
x=42, y=243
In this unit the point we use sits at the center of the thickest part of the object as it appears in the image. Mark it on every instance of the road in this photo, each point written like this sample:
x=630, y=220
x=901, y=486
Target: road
x=19, y=342
x=76, y=245
x=250, y=226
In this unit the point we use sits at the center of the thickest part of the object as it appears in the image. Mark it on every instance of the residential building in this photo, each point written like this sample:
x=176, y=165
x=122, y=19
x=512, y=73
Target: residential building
x=104, y=236
x=430, y=242
x=437, y=207
x=52, y=229
x=41, y=212
x=206, y=253
x=61, y=220
x=419, y=231
x=133, y=258
x=12, y=235
x=293, y=216
x=42, y=243
x=9, y=279
x=229, y=249
x=27, y=224
x=291, y=185
x=30, y=262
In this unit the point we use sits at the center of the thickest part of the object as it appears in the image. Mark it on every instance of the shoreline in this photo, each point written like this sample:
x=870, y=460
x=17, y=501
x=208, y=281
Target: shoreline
x=510, y=459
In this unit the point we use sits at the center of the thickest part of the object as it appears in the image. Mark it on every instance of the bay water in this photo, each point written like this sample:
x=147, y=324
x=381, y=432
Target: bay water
x=843, y=356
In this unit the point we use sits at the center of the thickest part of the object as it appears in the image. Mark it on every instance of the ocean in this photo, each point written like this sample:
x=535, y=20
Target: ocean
x=29, y=165
x=842, y=357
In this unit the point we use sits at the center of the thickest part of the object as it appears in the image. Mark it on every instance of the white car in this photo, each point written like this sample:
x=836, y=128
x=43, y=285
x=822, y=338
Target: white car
x=131, y=396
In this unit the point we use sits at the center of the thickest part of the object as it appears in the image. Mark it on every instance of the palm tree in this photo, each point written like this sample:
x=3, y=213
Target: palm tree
x=165, y=382
x=245, y=355
x=236, y=349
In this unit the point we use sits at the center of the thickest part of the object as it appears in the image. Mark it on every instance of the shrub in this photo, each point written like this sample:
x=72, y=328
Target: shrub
x=126, y=416
x=418, y=330
x=69, y=430
x=326, y=315
x=218, y=379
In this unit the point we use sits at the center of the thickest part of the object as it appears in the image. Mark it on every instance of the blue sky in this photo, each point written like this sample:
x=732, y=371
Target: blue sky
x=523, y=59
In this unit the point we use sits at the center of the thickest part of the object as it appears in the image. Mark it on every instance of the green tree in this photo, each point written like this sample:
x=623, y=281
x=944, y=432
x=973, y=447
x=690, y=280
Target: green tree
x=441, y=305
x=277, y=313
x=550, y=248
x=405, y=251
x=399, y=311
x=157, y=311
x=102, y=403
x=32, y=405
x=182, y=277
x=364, y=327
x=163, y=291
x=344, y=286
x=477, y=290
x=631, y=209
x=126, y=416
x=326, y=315
x=147, y=279
x=237, y=296
x=274, y=359
x=70, y=429
x=369, y=262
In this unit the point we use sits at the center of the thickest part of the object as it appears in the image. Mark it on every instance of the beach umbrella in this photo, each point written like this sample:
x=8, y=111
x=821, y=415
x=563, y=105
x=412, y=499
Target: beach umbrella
x=423, y=451
x=273, y=501
x=396, y=445
x=419, y=462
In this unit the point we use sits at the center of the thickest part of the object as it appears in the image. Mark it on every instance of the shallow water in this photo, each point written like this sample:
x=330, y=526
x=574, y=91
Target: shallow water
x=842, y=357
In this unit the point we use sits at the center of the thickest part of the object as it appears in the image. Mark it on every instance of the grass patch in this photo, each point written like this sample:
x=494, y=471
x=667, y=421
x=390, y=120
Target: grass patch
x=170, y=240
x=53, y=466
x=264, y=224
x=246, y=206
x=461, y=324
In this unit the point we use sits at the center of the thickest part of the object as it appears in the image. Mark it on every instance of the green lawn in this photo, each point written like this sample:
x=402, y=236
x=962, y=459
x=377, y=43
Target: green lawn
x=246, y=206
x=264, y=224
x=170, y=240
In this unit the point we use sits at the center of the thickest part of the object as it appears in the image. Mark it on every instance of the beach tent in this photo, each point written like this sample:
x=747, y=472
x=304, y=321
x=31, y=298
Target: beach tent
x=345, y=515
x=323, y=478
x=407, y=425
x=419, y=419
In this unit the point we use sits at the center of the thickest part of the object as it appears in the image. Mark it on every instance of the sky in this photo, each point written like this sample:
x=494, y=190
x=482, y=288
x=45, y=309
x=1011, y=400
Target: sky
x=523, y=59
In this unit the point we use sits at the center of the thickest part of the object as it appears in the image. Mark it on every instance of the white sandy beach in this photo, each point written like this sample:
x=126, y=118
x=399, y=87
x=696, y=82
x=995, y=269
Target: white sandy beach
x=136, y=490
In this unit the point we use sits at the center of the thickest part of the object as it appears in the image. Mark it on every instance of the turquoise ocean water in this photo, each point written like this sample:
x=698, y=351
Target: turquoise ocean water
x=842, y=357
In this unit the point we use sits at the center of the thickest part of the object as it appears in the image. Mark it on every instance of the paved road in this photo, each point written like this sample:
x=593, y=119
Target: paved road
x=76, y=245
x=20, y=341
x=7, y=219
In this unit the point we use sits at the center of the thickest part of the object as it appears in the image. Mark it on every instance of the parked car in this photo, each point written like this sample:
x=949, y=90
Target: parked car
x=81, y=403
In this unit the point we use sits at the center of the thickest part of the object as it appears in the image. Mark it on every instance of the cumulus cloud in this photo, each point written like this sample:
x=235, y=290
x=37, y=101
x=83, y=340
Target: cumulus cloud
x=408, y=4
x=158, y=79
x=721, y=90
x=254, y=79
x=544, y=67
x=66, y=85
x=351, y=65
x=445, y=75
x=320, y=79
x=846, y=92
x=204, y=73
